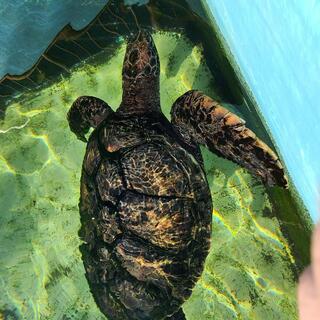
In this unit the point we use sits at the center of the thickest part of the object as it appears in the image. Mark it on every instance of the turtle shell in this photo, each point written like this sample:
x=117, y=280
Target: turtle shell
x=146, y=218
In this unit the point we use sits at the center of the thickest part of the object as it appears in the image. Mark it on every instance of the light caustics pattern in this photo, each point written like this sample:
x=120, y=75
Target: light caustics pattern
x=249, y=271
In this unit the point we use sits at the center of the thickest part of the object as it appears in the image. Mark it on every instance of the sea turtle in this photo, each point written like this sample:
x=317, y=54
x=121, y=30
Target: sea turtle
x=145, y=203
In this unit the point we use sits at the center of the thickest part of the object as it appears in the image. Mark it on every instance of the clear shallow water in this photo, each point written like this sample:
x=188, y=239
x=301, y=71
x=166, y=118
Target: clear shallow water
x=275, y=44
x=250, y=271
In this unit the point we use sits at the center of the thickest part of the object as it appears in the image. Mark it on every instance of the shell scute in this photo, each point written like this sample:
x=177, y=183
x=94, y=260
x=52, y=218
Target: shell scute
x=108, y=228
x=148, y=265
x=146, y=217
x=151, y=169
x=121, y=134
x=109, y=180
x=164, y=222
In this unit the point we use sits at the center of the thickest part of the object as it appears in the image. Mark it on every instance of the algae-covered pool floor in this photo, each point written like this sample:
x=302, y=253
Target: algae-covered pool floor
x=249, y=271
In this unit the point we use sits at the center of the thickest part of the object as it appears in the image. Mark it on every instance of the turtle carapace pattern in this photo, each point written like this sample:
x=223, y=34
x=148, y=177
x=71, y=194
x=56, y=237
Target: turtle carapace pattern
x=145, y=203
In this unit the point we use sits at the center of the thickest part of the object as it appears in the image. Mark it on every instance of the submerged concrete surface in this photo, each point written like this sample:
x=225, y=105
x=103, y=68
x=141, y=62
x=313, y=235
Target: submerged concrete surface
x=28, y=27
x=250, y=272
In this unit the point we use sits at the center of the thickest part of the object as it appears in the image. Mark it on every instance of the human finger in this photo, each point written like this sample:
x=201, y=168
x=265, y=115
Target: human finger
x=307, y=305
x=315, y=256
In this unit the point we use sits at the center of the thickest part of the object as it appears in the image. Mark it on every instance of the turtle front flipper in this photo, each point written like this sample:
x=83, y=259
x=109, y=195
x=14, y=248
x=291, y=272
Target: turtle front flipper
x=202, y=120
x=87, y=112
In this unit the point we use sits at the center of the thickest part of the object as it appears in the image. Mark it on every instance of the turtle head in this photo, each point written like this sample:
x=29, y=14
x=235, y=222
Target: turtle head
x=141, y=60
x=140, y=72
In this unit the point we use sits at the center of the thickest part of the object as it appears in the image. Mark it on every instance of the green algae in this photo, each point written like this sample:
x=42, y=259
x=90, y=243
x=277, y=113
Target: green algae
x=250, y=271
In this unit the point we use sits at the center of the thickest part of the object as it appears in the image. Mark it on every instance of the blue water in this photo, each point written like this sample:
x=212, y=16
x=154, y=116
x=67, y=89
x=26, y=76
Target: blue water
x=276, y=43
x=28, y=26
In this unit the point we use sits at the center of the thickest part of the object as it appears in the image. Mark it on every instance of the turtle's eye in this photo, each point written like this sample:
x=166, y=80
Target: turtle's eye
x=133, y=57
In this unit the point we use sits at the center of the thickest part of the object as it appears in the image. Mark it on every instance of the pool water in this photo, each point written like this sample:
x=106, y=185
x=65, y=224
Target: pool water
x=258, y=246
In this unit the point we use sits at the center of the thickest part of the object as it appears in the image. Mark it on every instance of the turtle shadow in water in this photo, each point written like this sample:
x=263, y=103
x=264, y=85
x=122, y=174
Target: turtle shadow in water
x=264, y=207
x=178, y=55
x=213, y=163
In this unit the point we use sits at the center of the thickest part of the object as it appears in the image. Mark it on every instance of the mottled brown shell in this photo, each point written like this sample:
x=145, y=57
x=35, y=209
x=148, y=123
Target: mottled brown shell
x=146, y=218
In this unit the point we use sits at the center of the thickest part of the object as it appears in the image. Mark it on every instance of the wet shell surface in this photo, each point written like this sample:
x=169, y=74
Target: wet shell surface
x=146, y=219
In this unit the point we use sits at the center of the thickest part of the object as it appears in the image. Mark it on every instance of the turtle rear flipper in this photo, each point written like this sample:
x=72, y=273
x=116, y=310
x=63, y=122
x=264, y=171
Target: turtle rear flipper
x=202, y=120
x=87, y=112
